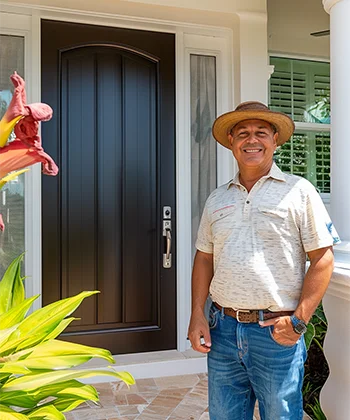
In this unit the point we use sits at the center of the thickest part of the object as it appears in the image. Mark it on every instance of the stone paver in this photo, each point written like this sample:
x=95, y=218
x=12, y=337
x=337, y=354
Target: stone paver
x=171, y=398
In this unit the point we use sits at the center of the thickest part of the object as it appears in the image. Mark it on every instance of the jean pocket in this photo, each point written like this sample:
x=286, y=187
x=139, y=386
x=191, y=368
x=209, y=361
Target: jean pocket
x=286, y=346
x=213, y=316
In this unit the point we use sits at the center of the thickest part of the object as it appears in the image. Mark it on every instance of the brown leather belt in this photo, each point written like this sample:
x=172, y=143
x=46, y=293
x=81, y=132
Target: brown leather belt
x=247, y=316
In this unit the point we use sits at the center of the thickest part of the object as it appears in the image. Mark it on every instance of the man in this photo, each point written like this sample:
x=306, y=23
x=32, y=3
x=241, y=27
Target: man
x=253, y=239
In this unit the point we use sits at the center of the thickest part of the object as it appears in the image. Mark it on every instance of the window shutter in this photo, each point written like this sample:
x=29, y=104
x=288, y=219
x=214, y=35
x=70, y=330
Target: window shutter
x=299, y=91
x=281, y=87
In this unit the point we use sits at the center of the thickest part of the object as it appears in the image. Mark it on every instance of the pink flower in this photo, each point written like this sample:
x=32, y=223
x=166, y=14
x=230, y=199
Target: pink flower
x=26, y=149
x=2, y=224
x=18, y=109
x=17, y=155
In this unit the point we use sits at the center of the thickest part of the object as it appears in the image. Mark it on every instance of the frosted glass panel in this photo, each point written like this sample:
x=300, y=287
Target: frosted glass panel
x=203, y=146
x=12, y=194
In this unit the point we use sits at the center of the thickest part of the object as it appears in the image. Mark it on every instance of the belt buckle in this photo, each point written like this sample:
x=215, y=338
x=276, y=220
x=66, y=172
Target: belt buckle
x=243, y=311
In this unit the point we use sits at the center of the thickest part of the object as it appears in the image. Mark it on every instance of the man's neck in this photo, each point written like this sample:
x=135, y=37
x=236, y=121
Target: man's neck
x=248, y=177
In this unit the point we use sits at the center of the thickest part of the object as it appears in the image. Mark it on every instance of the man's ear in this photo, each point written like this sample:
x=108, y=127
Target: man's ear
x=275, y=138
x=230, y=138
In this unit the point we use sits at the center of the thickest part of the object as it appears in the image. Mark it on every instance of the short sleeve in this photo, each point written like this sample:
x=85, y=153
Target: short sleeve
x=317, y=230
x=204, y=241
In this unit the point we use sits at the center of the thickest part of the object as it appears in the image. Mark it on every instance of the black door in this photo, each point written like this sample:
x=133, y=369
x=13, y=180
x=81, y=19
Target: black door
x=113, y=137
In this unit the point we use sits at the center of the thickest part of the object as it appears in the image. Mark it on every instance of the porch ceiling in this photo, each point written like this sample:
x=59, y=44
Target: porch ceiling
x=290, y=24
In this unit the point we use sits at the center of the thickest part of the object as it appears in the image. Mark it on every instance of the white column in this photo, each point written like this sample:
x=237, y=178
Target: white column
x=335, y=400
x=254, y=61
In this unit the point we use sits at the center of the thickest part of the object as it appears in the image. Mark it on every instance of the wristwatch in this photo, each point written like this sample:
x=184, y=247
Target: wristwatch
x=299, y=326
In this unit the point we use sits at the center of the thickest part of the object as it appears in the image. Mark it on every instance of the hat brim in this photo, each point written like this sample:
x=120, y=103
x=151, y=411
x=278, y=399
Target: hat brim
x=223, y=124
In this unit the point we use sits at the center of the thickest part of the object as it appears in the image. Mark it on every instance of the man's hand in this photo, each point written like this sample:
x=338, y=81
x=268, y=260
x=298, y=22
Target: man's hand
x=198, y=329
x=283, y=331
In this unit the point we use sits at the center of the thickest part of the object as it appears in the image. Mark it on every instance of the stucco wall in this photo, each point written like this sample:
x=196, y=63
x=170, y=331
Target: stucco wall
x=290, y=24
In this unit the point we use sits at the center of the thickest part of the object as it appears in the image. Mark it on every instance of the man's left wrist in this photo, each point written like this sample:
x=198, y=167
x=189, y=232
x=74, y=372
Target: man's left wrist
x=299, y=326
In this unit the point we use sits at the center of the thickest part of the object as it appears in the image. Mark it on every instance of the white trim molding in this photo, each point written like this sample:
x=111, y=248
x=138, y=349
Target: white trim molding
x=219, y=47
x=328, y=4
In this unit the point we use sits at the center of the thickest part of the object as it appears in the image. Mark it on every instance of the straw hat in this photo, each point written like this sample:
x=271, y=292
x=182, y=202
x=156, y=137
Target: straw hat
x=252, y=111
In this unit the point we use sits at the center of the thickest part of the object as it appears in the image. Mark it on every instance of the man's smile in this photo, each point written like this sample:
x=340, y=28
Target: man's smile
x=252, y=150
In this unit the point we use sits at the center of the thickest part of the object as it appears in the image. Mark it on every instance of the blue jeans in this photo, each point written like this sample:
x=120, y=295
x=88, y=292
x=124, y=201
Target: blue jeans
x=246, y=364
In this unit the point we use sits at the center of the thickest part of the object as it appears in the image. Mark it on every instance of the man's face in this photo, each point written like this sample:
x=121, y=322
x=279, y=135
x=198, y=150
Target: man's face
x=253, y=143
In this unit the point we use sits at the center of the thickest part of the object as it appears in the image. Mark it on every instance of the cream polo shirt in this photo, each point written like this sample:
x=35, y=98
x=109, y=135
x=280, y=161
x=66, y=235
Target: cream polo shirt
x=259, y=240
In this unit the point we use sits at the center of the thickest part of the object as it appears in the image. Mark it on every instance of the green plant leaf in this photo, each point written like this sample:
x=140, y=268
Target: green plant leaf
x=67, y=404
x=309, y=335
x=16, y=314
x=33, y=381
x=319, y=313
x=7, y=413
x=11, y=344
x=60, y=328
x=11, y=286
x=48, y=412
x=53, y=354
x=61, y=390
x=38, y=325
x=5, y=335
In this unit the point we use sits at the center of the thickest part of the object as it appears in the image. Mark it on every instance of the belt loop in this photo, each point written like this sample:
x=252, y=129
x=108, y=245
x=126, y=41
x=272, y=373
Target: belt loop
x=222, y=313
x=261, y=315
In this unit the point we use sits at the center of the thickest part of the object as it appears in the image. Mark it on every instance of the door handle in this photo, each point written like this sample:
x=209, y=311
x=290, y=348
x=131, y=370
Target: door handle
x=168, y=243
x=167, y=235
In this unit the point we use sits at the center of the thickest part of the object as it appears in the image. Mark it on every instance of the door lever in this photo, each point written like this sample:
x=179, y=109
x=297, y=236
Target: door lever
x=167, y=235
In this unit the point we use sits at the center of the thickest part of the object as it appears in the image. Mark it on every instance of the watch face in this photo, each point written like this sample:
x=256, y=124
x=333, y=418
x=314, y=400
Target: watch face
x=300, y=328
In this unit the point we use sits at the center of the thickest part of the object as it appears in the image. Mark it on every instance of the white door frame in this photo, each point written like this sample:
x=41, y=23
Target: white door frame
x=190, y=38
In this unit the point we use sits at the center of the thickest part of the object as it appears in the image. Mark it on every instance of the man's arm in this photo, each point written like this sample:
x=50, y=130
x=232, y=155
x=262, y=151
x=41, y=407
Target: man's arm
x=201, y=279
x=314, y=287
x=316, y=282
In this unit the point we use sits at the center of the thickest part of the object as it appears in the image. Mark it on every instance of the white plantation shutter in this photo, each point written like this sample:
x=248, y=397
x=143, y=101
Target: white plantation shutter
x=281, y=89
x=301, y=89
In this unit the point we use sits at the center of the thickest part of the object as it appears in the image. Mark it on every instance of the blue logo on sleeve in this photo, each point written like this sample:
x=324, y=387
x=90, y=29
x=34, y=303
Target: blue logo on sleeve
x=333, y=232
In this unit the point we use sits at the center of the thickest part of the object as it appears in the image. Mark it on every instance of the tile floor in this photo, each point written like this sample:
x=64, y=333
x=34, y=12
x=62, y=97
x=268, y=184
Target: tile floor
x=174, y=397
x=169, y=398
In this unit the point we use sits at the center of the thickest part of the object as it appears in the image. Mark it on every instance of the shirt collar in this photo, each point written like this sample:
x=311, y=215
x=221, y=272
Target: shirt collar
x=275, y=172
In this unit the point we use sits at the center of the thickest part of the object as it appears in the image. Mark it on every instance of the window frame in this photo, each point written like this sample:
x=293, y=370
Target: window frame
x=18, y=24
x=305, y=126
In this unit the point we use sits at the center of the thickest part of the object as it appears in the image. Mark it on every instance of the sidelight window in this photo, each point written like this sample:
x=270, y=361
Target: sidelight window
x=12, y=194
x=203, y=146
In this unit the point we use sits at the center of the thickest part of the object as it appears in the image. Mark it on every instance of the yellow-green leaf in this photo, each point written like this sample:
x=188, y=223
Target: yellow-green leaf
x=67, y=404
x=16, y=314
x=65, y=389
x=11, y=286
x=4, y=336
x=7, y=413
x=48, y=412
x=60, y=328
x=32, y=381
x=53, y=354
x=43, y=321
